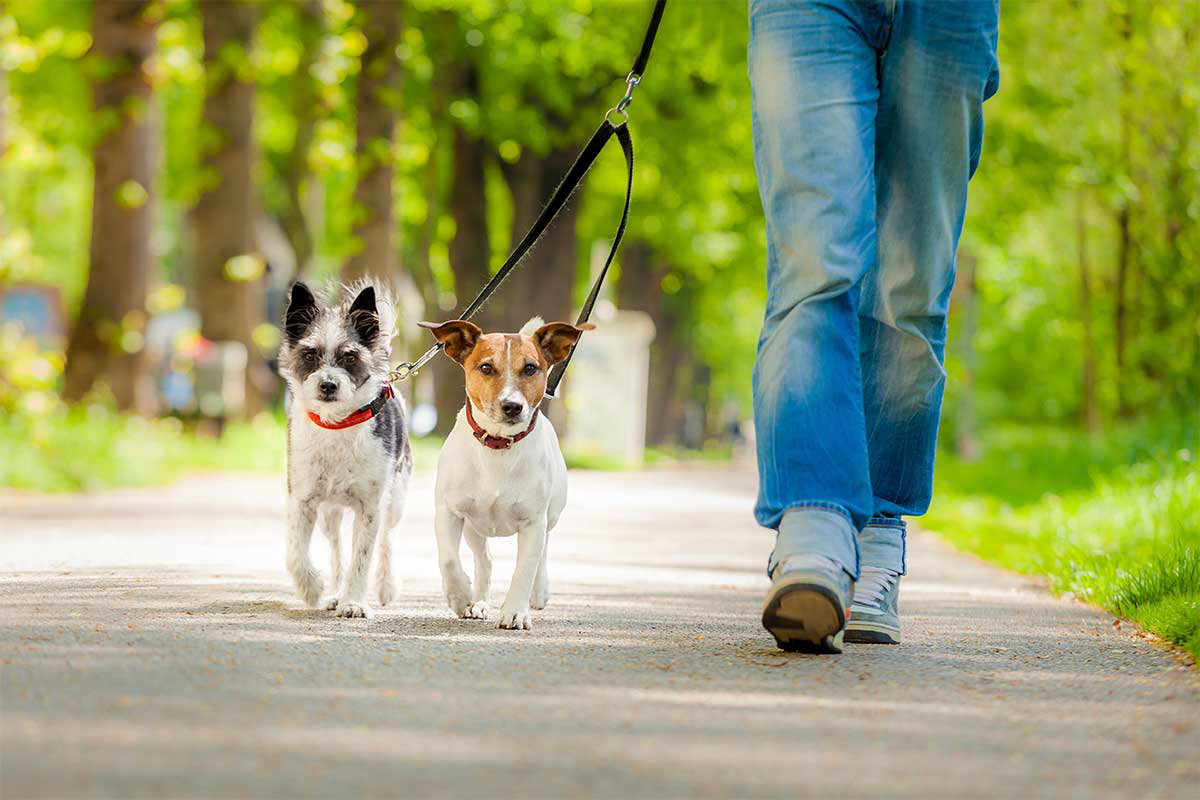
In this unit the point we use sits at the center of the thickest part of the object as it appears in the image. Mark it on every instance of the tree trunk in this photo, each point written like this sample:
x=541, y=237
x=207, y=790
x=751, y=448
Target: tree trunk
x=305, y=102
x=967, y=442
x=1121, y=310
x=470, y=249
x=1091, y=414
x=1124, y=230
x=639, y=289
x=432, y=184
x=376, y=104
x=545, y=284
x=228, y=269
x=107, y=339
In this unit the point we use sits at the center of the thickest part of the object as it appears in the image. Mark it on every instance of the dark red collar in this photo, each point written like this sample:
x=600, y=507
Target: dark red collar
x=362, y=415
x=497, y=442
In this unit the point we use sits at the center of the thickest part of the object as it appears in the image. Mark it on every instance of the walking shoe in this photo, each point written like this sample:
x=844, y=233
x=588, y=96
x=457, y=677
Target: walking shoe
x=807, y=606
x=874, y=615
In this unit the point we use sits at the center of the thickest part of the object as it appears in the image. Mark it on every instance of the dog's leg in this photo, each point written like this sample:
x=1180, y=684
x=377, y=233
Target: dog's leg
x=483, y=574
x=531, y=542
x=331, y=523
x=302, y=519
x=353, y=602
x=541, y=582
x=455, y=582
x=386, y=586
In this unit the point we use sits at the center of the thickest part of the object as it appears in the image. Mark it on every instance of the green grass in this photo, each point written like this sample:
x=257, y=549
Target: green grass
x=94, y=448
x=1112, y=519
x=73, y=449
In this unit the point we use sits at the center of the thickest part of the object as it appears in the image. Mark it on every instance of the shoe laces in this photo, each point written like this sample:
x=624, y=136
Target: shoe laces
x=873, y=585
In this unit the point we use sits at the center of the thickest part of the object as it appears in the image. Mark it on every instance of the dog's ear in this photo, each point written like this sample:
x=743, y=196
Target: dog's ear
x=301, y=311
x=364, y=316
x=557, y=339
x=458, y=337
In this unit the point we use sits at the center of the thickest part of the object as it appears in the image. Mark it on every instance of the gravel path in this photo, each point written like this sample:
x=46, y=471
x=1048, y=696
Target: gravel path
x=151, y=646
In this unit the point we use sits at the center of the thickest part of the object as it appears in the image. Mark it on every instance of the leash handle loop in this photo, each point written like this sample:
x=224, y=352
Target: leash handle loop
x=622, y=133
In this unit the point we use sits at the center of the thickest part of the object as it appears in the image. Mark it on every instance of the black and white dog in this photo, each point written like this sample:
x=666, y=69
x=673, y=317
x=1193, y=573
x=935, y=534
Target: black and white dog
x=347, y=440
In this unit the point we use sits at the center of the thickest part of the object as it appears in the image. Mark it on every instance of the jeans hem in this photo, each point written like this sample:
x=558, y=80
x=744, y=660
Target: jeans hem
x=879, y=549
x=845, y=552
x=819, y=505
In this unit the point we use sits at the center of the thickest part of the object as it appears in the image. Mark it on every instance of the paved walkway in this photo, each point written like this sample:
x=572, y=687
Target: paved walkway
x=151, y=646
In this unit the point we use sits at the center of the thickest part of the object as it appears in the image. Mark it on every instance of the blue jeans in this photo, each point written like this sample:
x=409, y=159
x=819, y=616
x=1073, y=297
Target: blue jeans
x=867, y=126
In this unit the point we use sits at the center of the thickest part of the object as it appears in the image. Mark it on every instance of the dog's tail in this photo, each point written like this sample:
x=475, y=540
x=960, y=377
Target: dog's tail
x=529, y=327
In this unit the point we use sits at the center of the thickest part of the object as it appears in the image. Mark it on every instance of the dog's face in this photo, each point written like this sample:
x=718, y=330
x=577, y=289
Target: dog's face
x=506, y=372
x=335, y=359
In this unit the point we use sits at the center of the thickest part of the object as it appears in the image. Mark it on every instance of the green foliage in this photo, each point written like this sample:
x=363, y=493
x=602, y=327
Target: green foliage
x=45, y=171
x=92, y=447
x=1099, y=103
x=1113, y=520
x=50, y=446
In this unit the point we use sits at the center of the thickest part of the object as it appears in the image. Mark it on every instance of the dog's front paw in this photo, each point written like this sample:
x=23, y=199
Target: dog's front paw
x=387, y=592
x=539, y=599
x=479, y=610
x=515, y=620
x=459, y=600
x=354, y=610
x=310, y=586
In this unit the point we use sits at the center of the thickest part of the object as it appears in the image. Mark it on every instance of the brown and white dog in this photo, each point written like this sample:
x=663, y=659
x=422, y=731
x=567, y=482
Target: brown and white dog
x=501, y=471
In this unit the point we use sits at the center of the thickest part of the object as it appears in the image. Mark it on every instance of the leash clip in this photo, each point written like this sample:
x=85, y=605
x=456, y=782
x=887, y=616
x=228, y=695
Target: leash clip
x=631, y=82
x=407, y=369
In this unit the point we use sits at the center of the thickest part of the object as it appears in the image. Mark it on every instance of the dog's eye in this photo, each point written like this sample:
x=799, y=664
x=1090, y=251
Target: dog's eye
x=349, y=358
x=530, y=370
x=487, y=369
x=309, y=356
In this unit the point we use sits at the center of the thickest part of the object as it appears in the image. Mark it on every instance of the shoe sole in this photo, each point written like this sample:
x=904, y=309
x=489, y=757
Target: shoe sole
x=861, y=632
x=805, y=617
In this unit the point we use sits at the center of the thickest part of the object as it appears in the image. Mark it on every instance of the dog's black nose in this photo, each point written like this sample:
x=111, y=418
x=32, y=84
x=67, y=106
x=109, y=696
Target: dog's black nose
x=510, y=408
x=328, y=388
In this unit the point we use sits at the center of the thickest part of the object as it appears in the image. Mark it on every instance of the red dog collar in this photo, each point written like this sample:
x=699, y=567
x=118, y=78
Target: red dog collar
x=497, y=442
x=362, y=415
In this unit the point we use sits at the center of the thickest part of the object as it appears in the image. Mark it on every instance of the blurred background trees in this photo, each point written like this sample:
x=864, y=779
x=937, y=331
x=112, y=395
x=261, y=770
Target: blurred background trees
x=107, y=338
x=175, y=154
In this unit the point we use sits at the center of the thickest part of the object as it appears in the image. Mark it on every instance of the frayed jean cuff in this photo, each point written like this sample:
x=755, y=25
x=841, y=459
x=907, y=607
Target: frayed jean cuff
x=882, y=543
x=823, y=529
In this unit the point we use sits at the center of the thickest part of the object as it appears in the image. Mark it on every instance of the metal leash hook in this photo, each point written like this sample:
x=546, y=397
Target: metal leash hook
x=408, y=369
x=631, y=82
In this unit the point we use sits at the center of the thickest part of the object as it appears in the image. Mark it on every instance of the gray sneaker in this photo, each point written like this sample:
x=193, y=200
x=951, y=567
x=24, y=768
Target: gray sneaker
x=875, y=615
x=807, y=606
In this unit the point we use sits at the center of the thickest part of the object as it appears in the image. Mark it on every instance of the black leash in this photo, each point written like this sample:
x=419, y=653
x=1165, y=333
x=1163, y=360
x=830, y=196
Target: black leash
x=600, y=138
x=610, y=127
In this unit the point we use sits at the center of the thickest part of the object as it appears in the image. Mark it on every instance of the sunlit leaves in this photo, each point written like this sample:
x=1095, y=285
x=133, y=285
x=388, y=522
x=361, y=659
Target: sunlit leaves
x=243, y=268
x=131, y=195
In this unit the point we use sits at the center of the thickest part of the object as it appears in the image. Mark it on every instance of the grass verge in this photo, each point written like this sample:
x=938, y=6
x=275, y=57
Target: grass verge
x=91, y=447
x=1112, y=519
